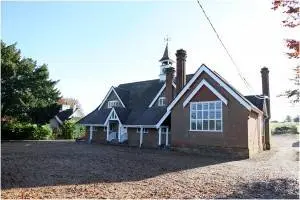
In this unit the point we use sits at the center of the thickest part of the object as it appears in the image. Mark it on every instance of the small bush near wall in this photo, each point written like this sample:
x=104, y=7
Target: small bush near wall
x=24, y=131
x=292, y=129
x=43, y=132
x=71, y=130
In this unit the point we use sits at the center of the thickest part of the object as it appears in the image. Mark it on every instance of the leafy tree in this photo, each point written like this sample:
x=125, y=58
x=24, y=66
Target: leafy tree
x=296, y=119
x=42, y=115
x=26, y=90
x=288, y=118
x=291, y=9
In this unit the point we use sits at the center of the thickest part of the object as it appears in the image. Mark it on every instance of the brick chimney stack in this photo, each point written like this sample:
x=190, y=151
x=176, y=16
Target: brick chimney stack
x=180, y=69
x=266, y=92
x=169, y=80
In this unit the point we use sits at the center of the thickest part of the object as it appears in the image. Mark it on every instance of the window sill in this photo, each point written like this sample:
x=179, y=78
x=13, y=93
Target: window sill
x=203, y=131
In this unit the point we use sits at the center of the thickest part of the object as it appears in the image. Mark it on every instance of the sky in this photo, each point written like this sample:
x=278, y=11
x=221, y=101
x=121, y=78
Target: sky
x=91, y=46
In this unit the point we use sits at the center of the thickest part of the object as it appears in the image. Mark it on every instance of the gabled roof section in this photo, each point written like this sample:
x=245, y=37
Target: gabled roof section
x=211, y=88
x=258, y=101
x=122, y=114
x=203, y=68
x=159, y=93
x=163, y=118
x=151, y=116
x=65, y=114
x=112, y=113
x=96, y=117
x=123, y=94
x=112, y=89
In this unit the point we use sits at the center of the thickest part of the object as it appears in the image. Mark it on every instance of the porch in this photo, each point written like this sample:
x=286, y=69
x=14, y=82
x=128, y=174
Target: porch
x=149, y=136
x=112, y=132
x=116, y=132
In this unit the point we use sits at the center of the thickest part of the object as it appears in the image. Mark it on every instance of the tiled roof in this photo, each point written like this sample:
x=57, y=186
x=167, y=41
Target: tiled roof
x=65, y=114
x=137, y=96
x=95, y=117
x=256, y=100
x=151, y=116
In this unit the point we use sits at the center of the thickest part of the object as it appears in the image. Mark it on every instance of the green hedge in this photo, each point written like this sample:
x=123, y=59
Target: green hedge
x=24, y=131
x=27, y=131
x=71, y=130
x=292, y=129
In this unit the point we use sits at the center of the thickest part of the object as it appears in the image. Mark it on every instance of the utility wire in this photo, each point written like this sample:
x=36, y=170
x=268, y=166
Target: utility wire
x=229, y=55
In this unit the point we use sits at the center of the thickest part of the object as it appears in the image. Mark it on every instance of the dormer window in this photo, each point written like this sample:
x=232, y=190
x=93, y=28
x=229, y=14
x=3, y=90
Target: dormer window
x=113, y=103
x=162, y=101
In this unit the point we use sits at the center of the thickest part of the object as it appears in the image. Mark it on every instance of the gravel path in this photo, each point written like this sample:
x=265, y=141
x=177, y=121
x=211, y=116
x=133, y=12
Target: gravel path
x=70, y=170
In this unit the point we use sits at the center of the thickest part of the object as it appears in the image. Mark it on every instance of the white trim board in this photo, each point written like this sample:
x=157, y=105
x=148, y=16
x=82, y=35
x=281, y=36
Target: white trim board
x=163, y=119
x=57, y=118
x=139, y=126
x=100, y=125
x=159, y=93
x=107, y=119
x=201, y=69
x=107, y=95
x=211, y=88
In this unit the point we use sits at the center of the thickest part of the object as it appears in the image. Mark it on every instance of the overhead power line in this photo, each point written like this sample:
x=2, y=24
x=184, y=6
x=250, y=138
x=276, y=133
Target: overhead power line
x=227, y=52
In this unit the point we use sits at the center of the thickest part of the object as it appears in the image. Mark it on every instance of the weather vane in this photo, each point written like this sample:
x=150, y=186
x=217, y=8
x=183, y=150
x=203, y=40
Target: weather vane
x=167, y=39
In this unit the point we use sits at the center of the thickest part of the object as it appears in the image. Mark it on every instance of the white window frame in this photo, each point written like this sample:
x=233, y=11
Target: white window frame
x=113, y=103
x=145, y=130
x=208, y=118
x=162, y=101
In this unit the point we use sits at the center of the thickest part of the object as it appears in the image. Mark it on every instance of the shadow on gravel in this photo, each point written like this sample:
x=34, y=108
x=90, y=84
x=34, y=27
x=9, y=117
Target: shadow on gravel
x=273, y=189
x=26, y=164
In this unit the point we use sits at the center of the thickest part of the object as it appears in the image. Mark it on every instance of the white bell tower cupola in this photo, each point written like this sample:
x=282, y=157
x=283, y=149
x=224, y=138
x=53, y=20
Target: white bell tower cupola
x=166, y=62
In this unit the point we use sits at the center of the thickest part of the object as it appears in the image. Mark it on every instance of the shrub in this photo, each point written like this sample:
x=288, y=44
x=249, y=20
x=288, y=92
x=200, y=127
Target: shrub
x=17, y=131
x=292, y=129
x=71, y=130
x=43, y=132
x=57, y=133
x=24, y=131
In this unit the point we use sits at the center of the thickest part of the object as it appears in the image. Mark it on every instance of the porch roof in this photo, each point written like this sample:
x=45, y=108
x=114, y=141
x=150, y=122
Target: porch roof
x=95, y=117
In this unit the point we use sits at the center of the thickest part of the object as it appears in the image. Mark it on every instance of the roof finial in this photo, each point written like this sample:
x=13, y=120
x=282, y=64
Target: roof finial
x=166, y=52
x=167, y=39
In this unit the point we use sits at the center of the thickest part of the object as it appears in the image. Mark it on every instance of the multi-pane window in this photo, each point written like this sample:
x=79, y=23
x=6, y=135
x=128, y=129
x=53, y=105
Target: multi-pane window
x=113, y=103
x=206, y=116
x=162, y=101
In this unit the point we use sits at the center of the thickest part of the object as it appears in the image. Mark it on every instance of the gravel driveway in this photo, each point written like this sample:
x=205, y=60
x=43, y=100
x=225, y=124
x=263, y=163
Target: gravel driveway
x=72, y=170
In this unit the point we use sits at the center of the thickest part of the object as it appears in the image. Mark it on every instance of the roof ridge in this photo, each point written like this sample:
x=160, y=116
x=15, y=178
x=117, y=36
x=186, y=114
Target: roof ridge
x=120, y=88
x=137, y=82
